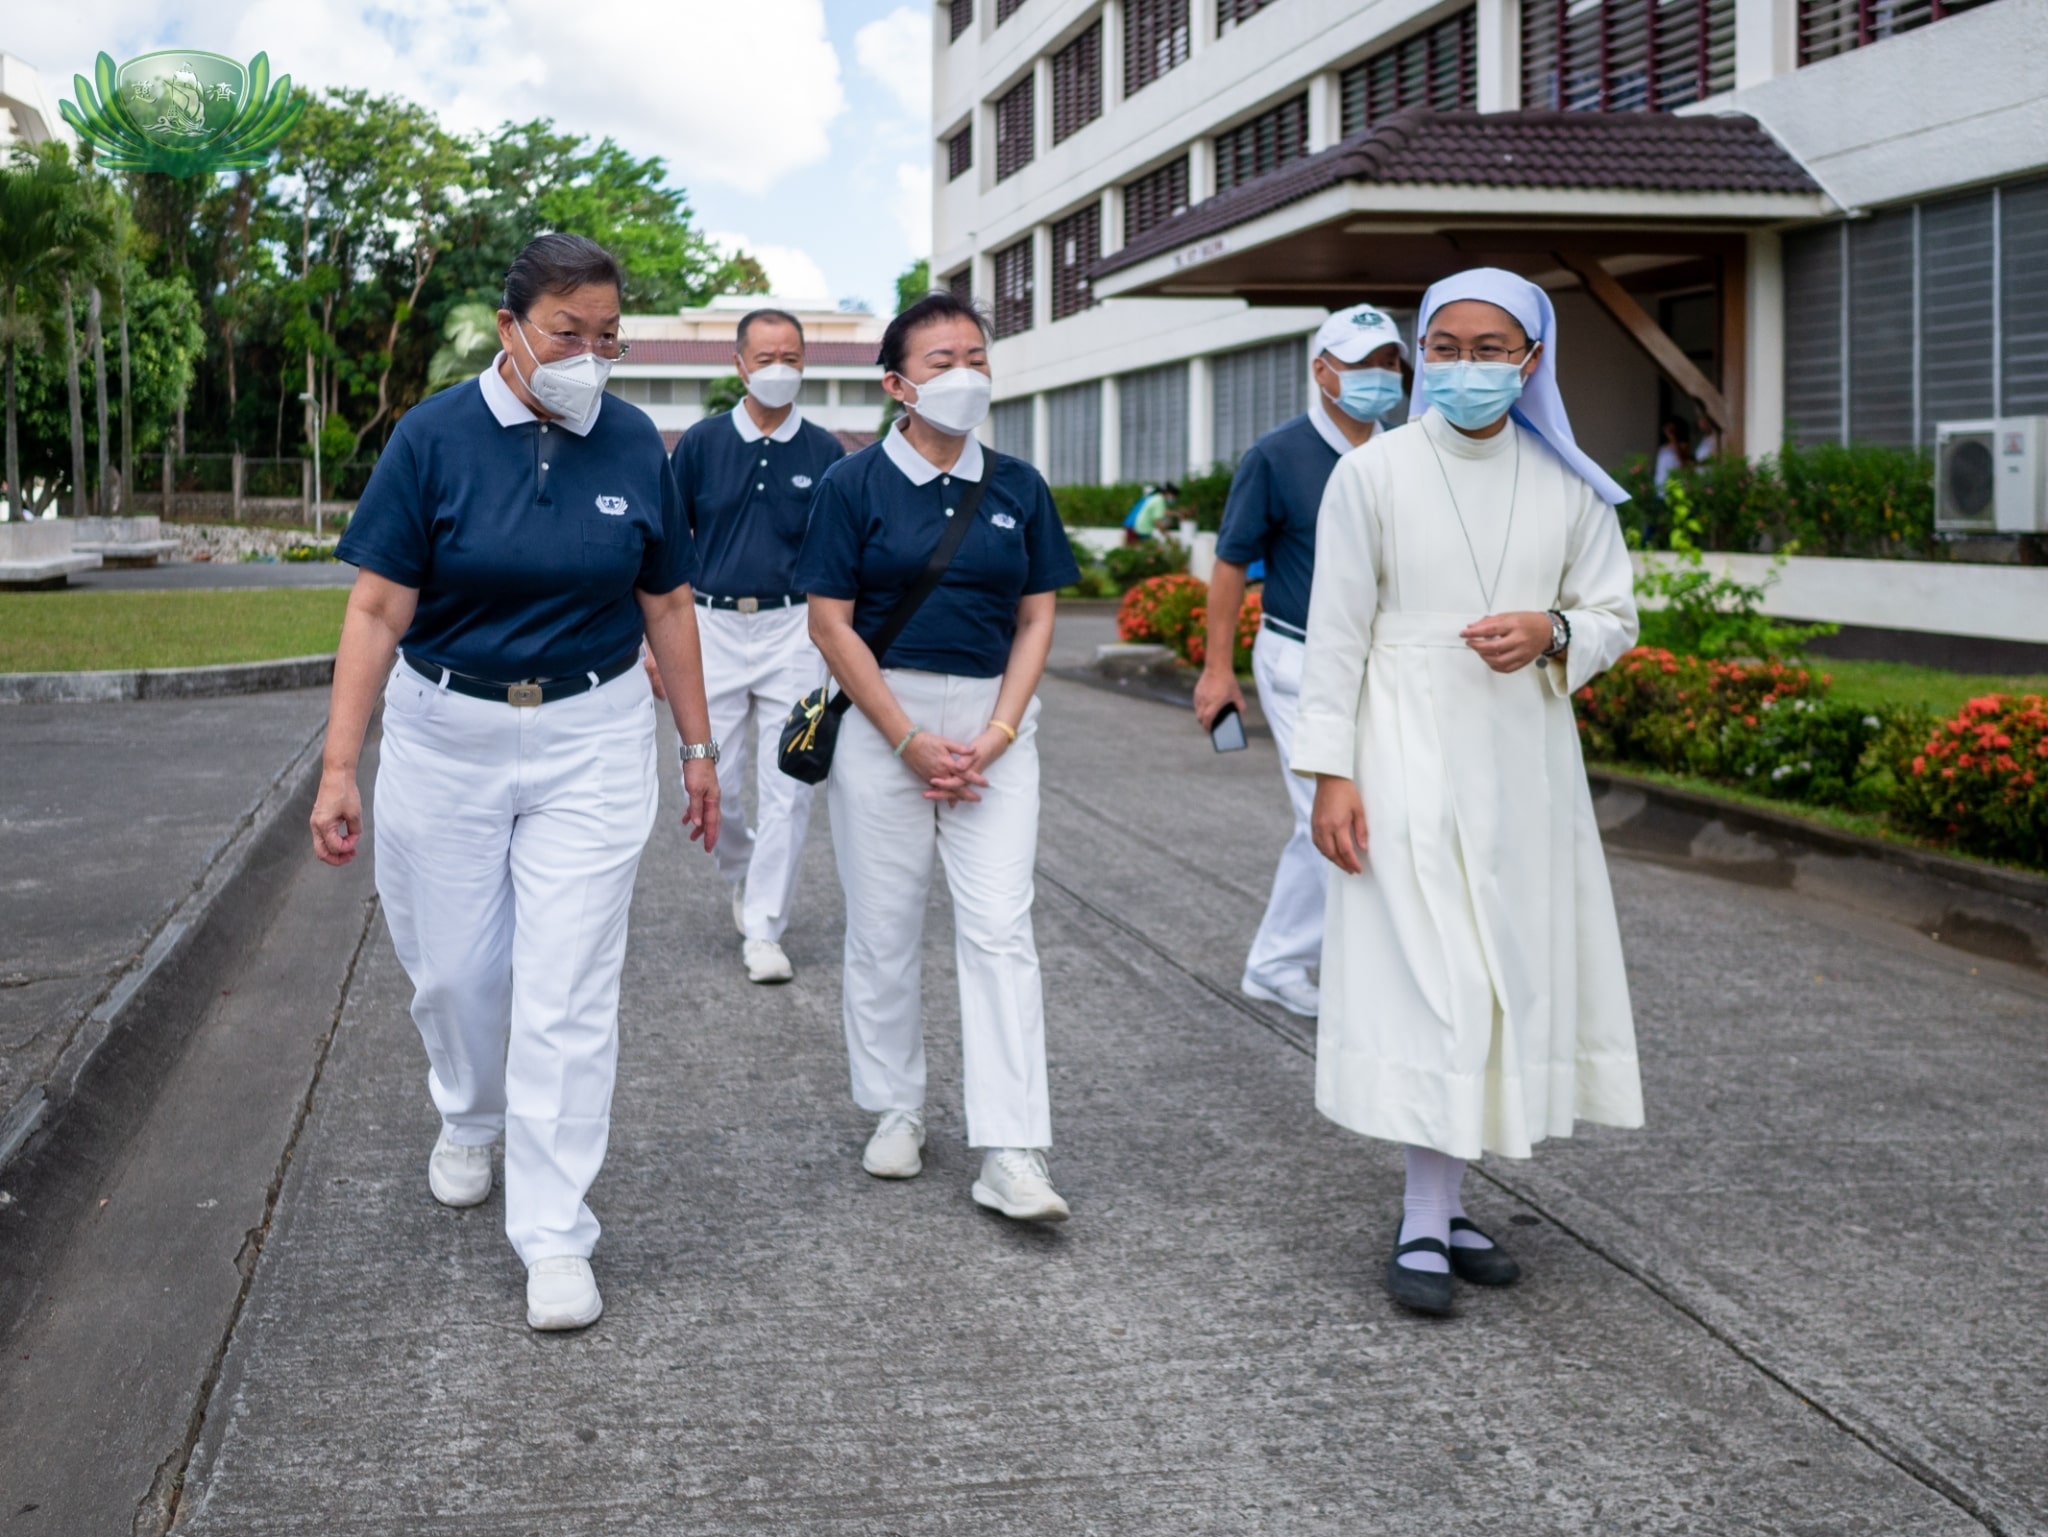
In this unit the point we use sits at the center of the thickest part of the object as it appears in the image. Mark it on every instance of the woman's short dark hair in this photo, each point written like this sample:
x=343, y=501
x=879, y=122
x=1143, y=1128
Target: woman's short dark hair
x=747, y=321
x=558, y=264
x=938, y=305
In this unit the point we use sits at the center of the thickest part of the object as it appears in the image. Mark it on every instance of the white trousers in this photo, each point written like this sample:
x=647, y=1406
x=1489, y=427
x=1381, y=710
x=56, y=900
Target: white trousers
x=506, y=844
x=1290, y=937
x=756, y=667
x=884, y=833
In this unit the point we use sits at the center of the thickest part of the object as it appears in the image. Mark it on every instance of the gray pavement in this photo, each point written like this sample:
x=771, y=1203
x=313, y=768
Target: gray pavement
x=1797, y=1303
x=109, y=815
x=188, y=574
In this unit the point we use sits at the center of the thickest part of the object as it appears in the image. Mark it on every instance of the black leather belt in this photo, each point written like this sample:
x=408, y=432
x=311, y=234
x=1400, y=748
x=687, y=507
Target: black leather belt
x=751, y=605
x=1282, y=627
x=532, y=692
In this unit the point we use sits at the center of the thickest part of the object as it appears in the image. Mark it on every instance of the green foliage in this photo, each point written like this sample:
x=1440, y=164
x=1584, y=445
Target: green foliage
x=1095, y=582
x=1203, y=494
x=913, y=283
x=1130, y=564
x=1693, y=611
x=1096, y=506
x=724, y=394
x=1863, y=500
x=469, y=340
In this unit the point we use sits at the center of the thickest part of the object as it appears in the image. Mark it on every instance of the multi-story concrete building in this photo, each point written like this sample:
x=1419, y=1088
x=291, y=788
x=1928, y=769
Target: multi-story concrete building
x=28, y=109
x=1827, y=217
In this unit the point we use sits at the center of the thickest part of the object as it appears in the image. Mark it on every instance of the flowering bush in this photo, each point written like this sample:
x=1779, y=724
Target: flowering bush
x=1249, y=618
x=1981, y=780
x=1137, y=616
x=1804, y=749
x=1684, y=714
x=1173, y=610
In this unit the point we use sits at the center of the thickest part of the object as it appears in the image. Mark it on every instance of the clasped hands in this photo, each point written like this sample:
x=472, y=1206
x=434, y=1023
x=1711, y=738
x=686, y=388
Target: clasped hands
x=952, y=771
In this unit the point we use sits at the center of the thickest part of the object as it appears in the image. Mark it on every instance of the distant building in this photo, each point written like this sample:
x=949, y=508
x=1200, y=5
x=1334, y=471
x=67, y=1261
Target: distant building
x=1822, y=219
x=28, y=108
x=673, y=359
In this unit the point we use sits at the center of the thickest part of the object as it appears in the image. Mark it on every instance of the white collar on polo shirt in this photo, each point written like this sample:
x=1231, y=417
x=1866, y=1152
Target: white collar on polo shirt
x=920, y=471
x=743, y=419
x=511, y=411
x=1326, y=426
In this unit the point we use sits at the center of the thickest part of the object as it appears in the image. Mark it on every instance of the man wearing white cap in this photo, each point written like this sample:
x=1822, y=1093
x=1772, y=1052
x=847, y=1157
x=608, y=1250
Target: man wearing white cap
x=1271, y=517
x=1471, y=577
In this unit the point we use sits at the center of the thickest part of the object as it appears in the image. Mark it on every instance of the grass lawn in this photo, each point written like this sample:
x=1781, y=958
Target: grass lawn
x=95, y=631
x=1897, y=683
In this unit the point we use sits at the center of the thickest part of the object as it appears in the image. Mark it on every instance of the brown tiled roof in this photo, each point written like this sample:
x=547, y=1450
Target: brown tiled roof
x=1627, y=151
x=831, y=354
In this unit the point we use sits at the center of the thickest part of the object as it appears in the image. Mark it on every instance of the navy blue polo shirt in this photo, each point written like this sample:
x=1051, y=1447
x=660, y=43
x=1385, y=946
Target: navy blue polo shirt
x=873, y=532
x=1271, y=514
x=525, y=542
x=748, y=499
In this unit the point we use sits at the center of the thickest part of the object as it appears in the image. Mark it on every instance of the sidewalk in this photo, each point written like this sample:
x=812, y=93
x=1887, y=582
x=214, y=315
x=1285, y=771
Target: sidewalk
x=1799, y=1302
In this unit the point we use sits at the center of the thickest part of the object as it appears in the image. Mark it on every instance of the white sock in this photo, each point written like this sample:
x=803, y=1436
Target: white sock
x=1429, y=1203
x=1465, y=1238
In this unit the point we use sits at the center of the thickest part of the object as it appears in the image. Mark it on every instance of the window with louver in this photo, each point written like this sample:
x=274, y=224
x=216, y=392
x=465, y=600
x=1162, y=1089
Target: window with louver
x=1153, y=199
x=1813, y=335
x=1829, y=27
x=1625, y=55
x=1881, y=330
x=1436, y=68
x=1152, y=416
x=1074, y=420
x=1256, y=390
x=1014, y=288
x=1958, y=258
x=1270, y=140
x=961, y=284
x=1005, y=9
x=1076, y=246
x=960, y=153
x=1010, y=422
x=1077, y=84
x=960, y=16
x=1015, y=128
x=2023, y=298
x=1235, y=13
x=1157, y=36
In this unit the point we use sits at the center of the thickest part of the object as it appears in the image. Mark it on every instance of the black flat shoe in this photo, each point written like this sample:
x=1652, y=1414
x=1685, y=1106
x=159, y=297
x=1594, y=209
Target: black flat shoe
x=1426, y=1291
x=1482, y=1267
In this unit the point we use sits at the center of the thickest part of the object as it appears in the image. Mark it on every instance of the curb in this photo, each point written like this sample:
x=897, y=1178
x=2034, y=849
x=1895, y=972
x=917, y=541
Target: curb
x=217, y=682
x=191, y=919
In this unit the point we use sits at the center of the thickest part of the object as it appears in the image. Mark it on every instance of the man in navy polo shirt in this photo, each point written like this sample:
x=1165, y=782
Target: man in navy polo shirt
x=1271, y=517
x=747, y=479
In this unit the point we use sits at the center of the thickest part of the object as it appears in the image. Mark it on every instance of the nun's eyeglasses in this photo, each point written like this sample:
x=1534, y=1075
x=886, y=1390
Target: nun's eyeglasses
x=1485, y=352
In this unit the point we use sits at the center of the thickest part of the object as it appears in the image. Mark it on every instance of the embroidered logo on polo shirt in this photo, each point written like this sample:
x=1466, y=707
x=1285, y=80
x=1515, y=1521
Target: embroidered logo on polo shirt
x=801, y=482
x=1003, y=520
x=612, y=506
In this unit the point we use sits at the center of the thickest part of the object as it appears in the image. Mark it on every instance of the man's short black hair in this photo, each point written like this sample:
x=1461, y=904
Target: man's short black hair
x=558, y=264
x=937, y=305
x=739, y=340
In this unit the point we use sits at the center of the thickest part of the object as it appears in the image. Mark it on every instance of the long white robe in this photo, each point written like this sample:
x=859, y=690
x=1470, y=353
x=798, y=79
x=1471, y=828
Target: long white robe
x=1473, y=997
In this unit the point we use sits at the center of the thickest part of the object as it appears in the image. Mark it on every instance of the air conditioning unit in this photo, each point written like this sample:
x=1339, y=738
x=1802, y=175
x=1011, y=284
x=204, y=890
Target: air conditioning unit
x=1991, y=477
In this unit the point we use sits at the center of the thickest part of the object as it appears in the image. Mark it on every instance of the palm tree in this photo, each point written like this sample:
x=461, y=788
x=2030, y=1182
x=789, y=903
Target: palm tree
x=85, y=235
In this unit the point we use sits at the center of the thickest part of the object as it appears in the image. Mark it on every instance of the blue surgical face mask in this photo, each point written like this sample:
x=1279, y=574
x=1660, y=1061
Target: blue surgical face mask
x=1473, y=395
x=1367, y=394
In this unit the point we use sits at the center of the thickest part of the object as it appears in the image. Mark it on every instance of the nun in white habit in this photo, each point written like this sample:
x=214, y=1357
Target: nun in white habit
x=1470, y=575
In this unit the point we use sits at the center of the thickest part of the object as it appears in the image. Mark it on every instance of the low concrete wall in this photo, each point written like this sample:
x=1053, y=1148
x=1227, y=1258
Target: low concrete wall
x=113, y=530
x=216, y=682
x=2004, y=603
x=35, y=539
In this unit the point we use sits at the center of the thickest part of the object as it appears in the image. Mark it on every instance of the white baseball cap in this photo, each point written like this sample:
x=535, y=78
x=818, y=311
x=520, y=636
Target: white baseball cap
x=1354, y=334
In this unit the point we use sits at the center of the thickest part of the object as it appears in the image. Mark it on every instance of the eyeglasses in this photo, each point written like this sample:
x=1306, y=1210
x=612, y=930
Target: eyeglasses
x=1485, y=352
x=567, y=344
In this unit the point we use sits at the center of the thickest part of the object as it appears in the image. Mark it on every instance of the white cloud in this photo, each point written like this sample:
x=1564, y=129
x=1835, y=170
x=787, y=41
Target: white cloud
x=676, y=78
x=792, y=274
x=912, y=206
x=896, y=52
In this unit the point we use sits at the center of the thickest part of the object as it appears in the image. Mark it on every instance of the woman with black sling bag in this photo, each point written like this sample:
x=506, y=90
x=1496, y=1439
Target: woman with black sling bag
x=939, y=752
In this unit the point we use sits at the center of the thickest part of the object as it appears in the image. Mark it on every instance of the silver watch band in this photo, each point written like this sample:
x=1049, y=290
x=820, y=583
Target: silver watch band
x=690, y=751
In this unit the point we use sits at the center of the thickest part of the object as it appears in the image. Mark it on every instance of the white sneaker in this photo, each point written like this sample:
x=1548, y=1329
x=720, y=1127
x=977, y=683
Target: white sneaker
x=739, y=908
x=561, y=1293
x=1300, y=996
x=766, y=962
x=459, y=1175
x=1014, y=1182
x=894, y=1151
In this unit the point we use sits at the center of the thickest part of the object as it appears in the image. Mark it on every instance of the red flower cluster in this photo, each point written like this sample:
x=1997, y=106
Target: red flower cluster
x=1981, y=779
x=1137, y=617
x=1173, y=611
x=1675, y=711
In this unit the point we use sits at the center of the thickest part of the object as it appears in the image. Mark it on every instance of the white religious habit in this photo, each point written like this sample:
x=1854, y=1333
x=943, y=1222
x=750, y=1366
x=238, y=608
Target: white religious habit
x=1473, y=993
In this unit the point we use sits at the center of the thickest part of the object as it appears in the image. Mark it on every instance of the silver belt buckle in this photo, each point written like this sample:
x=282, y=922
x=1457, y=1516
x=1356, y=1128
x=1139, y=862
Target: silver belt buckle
x=747, y=605
x=524, y=695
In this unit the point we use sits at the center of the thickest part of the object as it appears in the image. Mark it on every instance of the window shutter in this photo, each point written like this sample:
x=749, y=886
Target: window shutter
x=1076, y=246
x=1257, y=389
x=1005, y=9
x=1813, y=335
x=1152, y=200
x=1011, y=423
x=1077, y=84
x=1074, y=418
x=1955, y=310
x=1157, y=36
x=1881, y=329
x=1435, y=68
x=1829, y=27
x=1235, y=13
x=961, y=284
x=1015, y=129
x=1152, y=411
x=960, y=18
x=1625, y=55
x=2023, y=294
x=1013, y=288
x=960, y=153
x=1268, y=141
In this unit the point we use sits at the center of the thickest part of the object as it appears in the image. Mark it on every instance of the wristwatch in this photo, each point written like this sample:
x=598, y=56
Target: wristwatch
x=689, y=752
x=1560, y=632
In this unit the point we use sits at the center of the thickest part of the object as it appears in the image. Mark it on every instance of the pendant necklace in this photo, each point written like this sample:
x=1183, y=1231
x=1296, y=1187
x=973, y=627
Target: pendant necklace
x=1514, y=495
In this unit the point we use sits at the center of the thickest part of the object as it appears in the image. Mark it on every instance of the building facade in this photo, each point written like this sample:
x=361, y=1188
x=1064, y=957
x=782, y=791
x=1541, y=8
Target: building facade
x=1160, y=199
x=28, y=108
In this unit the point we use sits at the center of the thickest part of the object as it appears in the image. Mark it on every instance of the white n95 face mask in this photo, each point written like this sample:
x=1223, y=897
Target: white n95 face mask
x=954, y=402
x=775, y=386
x=570, y=388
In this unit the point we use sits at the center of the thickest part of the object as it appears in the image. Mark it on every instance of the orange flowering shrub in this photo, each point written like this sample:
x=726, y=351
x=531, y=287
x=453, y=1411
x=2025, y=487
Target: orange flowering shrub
x=1137, y=617
x=1981, y=780
x=1173, y=611
x=1684, y=713
x=1249, y=618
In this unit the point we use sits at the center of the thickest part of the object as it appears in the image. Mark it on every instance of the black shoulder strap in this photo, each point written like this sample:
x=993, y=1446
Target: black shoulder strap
x=942, y=557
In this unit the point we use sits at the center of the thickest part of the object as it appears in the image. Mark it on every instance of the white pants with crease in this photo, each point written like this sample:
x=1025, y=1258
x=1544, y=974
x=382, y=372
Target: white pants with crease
x=885, y=833
x=1290, y=938
x=756, y=667
x=506, y=844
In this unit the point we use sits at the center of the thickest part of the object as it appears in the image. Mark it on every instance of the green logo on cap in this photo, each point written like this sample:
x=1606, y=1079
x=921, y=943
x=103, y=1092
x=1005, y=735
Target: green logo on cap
x=183, y=112
x=1368, y=317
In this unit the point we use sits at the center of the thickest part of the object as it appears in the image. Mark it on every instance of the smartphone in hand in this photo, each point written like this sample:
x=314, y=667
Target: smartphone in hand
x=1226, y=731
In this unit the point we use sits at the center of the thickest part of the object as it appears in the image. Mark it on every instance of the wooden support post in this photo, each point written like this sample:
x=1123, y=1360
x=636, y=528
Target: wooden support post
x=169, y=486
x=1648, y=335
x=235, y=486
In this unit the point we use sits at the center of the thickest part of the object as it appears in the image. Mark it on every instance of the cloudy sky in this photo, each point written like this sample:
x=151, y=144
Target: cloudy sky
x=799, y=127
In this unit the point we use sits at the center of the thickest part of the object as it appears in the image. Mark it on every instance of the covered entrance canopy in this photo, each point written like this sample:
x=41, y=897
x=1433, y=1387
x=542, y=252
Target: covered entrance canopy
x=1638, y=210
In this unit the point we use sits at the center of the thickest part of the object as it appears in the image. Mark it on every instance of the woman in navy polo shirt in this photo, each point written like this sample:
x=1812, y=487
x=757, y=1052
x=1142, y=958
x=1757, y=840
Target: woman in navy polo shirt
x=941, y=755
x=520, y=535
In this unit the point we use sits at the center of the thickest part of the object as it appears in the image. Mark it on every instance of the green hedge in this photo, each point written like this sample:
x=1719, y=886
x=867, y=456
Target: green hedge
x=1202, y=495
x=1862, y=500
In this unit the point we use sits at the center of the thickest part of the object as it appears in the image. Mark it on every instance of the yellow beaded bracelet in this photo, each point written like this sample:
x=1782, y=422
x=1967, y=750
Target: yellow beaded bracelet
x=1006, y=729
